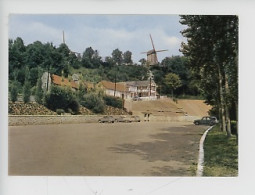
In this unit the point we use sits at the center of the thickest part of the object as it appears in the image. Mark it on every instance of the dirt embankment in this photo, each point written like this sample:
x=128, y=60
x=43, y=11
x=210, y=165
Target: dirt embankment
x=33, y=108
x=167, y=107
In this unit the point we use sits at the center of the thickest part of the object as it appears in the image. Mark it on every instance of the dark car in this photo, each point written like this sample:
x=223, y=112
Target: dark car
x=106, y=119
x=206, y=120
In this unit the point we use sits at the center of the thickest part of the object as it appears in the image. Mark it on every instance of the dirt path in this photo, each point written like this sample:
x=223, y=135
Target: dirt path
x=136, y=149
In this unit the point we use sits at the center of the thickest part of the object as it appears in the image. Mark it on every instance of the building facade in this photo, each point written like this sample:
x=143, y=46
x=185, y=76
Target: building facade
x=144, y=90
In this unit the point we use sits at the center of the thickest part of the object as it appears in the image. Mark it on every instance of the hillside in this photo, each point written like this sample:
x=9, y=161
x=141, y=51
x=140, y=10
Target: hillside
x=167, y=107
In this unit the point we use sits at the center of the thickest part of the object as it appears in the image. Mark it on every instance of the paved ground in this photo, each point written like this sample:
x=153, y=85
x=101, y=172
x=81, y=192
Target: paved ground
x=91, y=149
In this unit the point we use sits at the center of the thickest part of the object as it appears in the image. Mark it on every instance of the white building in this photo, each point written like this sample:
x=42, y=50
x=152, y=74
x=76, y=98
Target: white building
x=131, y=89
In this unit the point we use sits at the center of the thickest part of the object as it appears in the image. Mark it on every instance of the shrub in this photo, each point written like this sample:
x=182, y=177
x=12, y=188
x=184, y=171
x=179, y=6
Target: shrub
x=93, y=102
x=14, y=91
x=61, y=98
x=39, y=92
x=26, y=92
x=60, y=111
x=233, y=127
x=113, y=101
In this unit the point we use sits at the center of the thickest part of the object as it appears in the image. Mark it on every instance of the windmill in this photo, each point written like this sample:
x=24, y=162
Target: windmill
x=152, y=58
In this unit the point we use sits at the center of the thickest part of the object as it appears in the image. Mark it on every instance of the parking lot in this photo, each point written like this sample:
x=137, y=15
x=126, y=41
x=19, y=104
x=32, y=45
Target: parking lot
x=95, y=149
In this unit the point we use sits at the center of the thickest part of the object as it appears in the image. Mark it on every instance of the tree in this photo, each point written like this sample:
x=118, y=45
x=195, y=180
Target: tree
x=117, y=56
x=61, y=98
x=143, y=61
x=178, y=65
x=14, y=91
x=127, y=57
x=212, y=50
x=172, y=81
x=39, y=92
x=26, y=91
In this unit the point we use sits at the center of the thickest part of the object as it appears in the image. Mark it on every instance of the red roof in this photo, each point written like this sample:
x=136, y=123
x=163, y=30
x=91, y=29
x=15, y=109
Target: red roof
x=109, y=85
x=58, y=80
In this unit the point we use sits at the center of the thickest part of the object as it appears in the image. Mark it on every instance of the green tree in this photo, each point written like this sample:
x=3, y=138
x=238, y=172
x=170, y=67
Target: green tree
x=94, y=102
x=39, y=92
x=143, y=61
x=14, y=91
x=212, y=51
x=127, y=57
x=26, y=91
x=117, y=56
x=61, y=98
x=172, y=81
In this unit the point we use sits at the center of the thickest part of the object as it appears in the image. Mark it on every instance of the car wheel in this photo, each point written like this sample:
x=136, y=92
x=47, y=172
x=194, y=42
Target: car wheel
x=196, y=123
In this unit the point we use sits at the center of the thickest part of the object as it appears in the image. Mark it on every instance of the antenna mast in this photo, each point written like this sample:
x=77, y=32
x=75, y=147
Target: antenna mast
x=64, y=37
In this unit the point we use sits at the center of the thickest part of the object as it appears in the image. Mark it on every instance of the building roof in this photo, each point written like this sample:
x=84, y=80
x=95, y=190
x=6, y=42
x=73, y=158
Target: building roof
x=58, y=80
x=110, y=85
x=140, y=83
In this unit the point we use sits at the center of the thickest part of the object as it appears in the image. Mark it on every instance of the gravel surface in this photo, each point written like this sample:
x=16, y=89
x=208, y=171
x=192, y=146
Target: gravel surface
x=93, y=149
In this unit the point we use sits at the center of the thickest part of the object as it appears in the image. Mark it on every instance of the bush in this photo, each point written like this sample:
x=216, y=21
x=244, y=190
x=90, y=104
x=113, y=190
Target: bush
x=113, y=101
x=39, y=92
x=61, y=98
x=233, y=127
x=60, y=111
x=93, y=102
x=26, y=92
x=14, y=91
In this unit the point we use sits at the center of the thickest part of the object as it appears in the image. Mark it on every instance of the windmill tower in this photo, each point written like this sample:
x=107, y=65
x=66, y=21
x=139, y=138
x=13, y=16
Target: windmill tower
x=152, y=58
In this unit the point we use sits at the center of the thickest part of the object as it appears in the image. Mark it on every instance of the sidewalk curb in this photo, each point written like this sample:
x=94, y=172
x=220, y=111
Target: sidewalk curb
x=200, y=164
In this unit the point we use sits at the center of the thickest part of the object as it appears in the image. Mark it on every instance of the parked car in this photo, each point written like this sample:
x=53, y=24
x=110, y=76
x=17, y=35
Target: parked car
x=206, y=120
x=123, y=119
x=135, y=118
x=106, y=119
x=136, y=98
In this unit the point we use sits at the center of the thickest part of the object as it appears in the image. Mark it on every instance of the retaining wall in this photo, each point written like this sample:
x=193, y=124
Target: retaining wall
x=16, y=120
x=50, y=119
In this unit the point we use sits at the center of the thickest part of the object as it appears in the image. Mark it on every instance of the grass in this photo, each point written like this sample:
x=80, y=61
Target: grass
x=221, y=154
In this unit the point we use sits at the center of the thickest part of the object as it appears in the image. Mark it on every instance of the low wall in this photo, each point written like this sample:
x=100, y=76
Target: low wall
x=15, y=120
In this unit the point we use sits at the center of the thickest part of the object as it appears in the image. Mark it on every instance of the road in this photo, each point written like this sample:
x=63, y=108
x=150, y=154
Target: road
x=93, y=149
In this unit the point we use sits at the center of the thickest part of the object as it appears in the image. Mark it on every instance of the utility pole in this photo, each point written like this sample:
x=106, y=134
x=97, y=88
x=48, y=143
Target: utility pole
x=150, y=86
x=115, y=84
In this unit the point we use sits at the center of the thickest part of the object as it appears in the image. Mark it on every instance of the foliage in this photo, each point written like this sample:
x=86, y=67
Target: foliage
x=127, y=57
x=61, y=98
x=113, y=101
x=93, y=102
x=39, y=92
x=221, y=154
x=60, y=111
x=117, y=56
x=172, y=81
x=14, y=91
x=26, y=92
x=212, y=53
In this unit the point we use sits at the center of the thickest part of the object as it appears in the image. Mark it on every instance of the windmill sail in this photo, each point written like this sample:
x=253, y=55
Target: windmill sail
x=152, y=58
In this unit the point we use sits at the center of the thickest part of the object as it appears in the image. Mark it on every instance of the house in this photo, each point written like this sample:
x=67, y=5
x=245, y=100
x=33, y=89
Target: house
x=120, y=91
x=131, y=89
x=49, y=79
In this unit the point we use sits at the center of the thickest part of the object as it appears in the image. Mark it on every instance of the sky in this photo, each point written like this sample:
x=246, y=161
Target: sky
x=102, y=32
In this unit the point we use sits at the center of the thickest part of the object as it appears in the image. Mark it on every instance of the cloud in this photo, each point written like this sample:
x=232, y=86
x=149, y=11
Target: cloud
x=102, y=32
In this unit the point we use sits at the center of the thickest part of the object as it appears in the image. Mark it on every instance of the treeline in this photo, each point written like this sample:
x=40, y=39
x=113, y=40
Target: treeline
x=28, y=62
x=212, y=52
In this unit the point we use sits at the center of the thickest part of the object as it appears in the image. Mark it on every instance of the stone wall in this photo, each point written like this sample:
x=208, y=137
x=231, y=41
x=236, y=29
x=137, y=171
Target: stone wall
x=19, y=120
x=15, y=120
